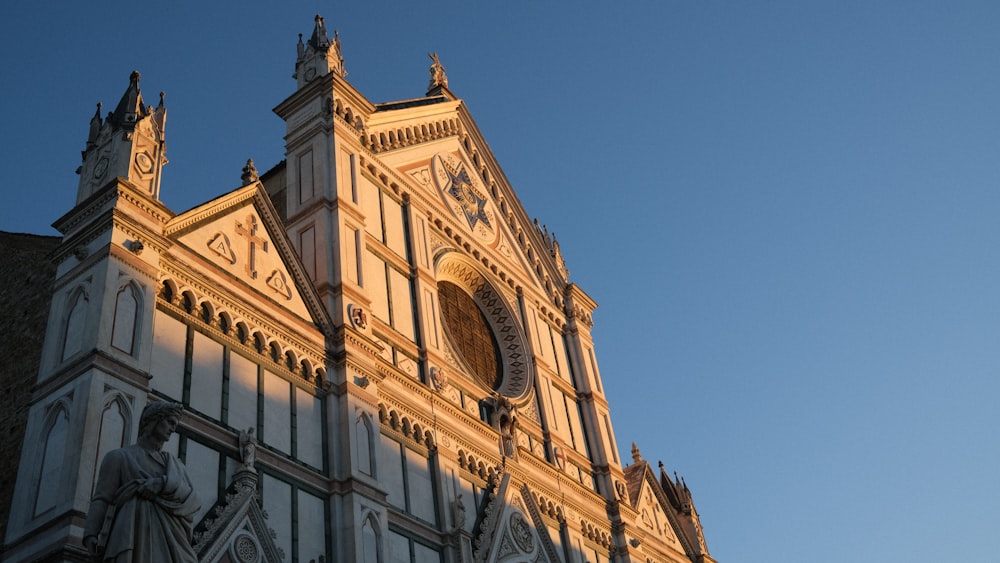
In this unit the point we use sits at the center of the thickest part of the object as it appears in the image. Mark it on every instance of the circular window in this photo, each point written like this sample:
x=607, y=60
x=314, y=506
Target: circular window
x=483, y=329
x=470, y=333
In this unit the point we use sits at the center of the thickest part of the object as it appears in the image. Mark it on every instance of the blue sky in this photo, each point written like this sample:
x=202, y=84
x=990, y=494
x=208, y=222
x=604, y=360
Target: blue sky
x=786, y=210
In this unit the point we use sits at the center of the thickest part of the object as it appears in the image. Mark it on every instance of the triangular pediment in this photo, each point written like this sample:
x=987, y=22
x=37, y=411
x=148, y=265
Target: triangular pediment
x=241, y=236
x=654, y=513
x=511, y=530
x=449, y=180
x=439, y=151
x=235, y=529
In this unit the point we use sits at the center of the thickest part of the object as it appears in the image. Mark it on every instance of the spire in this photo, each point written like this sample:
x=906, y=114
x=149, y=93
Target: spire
x=319, y=40
x=137, y=155
x=95, y=128
x=319, y=55
x=130, y=108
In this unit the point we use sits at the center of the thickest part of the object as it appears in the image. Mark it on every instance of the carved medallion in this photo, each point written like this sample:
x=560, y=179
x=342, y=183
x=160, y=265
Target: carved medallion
x=465, y=196
x=521, y=530
x=144, y=162
x=101, y=168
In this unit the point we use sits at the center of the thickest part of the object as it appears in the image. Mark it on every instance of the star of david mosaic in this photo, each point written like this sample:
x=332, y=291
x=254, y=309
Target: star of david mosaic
x=460, y=188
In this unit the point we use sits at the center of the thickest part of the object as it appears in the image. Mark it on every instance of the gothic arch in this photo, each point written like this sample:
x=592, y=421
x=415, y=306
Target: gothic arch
x=54, y=439
x=77, y=303
x=365, y=437
x=371, y=538
x=115, y=427
x=127, y=323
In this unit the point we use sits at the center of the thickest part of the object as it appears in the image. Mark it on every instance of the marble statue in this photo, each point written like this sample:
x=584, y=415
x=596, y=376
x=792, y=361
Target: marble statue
x=438, y=77
x=144, y=504
x=248, y=448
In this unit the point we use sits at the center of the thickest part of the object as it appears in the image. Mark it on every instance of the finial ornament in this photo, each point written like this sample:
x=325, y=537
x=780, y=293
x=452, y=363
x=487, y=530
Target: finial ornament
x=636, y=456
x=438, y=76
x=318, y=56
x=249, y=175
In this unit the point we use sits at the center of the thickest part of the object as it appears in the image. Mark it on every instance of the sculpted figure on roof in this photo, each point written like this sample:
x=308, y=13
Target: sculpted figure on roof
x=438, y=77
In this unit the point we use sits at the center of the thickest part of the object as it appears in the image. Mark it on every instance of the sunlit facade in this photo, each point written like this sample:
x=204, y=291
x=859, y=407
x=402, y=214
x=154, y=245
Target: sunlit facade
x=378, y=308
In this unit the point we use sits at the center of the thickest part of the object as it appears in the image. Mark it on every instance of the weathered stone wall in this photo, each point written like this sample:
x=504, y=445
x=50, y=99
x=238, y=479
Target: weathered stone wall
x=26, y=276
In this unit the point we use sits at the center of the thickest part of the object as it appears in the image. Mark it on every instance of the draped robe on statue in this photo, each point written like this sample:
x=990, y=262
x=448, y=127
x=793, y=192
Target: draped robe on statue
x=143, y=530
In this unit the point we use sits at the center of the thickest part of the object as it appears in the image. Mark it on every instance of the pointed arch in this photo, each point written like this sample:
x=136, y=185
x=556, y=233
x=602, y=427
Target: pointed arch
x=128, y=309
x=371, y=543
x=116, y=427
x=76, y=321
x=364, y=431
x=55, y=438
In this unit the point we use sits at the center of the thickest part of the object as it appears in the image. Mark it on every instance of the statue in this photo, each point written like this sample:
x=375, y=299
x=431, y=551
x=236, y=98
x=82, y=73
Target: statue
x=248, y=448
x=506, y=421
x=143, y=505
x=459, y=512
x=438, y=77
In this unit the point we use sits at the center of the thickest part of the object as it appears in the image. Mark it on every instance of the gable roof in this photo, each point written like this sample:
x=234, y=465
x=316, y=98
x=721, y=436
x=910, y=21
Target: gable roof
x=242, y=236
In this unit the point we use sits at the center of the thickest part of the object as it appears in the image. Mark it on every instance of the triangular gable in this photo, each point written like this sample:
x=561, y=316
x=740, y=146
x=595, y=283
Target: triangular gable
x=235, y=529
x=509, y=533
x=654, y=513
x=450, y=179
x=240, y=234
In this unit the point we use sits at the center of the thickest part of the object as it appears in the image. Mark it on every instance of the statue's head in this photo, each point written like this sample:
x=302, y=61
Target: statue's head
x=157, y=411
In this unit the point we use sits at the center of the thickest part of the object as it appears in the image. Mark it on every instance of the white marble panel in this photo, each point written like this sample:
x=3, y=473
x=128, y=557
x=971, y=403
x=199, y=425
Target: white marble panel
x=418, y=475
x=312, y=525
x=402, y=308
x=390, y=471
x=242, y=392
x=167, y=366
x=277, y=501
x=206, y=376
x=309, y=424
x=202, y=465
x=277, y=413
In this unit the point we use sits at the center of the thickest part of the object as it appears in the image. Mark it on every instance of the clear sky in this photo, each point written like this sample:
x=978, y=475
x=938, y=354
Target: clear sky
x=787, y=211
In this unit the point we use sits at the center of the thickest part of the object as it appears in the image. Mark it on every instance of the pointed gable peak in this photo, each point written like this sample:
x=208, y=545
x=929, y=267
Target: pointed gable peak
x=319, y=55
x=138, y=155
x=319, y=40
x=130, y=108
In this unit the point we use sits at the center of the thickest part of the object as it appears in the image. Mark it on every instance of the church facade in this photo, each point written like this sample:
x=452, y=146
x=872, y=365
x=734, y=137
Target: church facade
x=380, y=355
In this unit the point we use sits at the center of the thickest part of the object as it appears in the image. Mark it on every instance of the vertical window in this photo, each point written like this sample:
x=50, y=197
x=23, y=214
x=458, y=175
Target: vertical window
x=364, y=453
x=73, y=337
x=369, y=539
x=112, y=433
x=306, y=185
x=49, y=486
x=611, y=444
x=307, y=250
x=351, y=244
x=126, y=315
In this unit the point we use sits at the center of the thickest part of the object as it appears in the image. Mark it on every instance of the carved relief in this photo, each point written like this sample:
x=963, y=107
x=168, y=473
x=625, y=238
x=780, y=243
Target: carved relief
x=279, y=284
x=254, y=243
x=221, y=246
x=463, y=194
